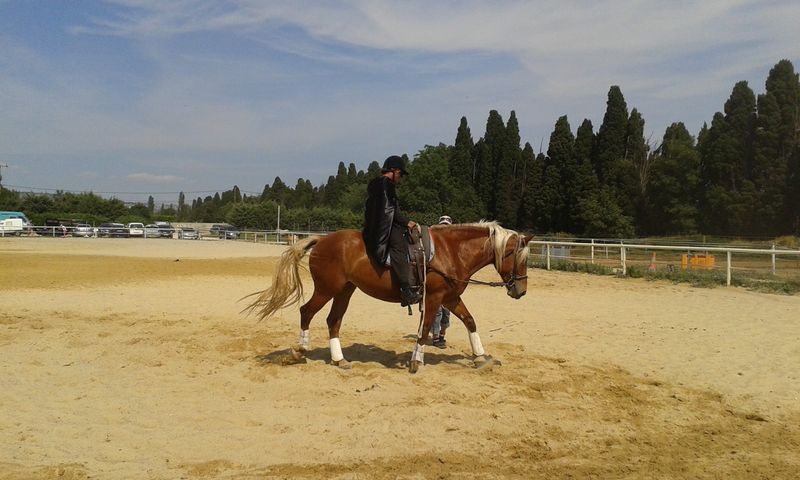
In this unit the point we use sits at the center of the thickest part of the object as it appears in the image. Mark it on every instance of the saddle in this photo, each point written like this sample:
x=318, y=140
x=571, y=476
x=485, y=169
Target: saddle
x=420, y=253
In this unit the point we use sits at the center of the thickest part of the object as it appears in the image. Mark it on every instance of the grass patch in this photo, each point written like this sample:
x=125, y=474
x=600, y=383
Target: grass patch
x=766, y=283
x=566, y=266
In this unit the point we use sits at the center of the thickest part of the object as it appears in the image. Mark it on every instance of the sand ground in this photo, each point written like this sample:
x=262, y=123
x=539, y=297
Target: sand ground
x=129, y=359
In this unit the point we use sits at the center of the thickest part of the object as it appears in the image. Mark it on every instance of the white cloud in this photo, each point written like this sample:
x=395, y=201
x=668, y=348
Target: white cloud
x=301, y=87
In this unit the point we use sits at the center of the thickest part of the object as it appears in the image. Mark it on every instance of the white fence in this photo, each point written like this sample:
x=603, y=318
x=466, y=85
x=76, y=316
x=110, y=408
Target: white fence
x=550, y=252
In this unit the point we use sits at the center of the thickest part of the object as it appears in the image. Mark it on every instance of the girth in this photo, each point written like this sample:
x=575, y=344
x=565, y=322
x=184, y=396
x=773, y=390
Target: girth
x=420, y=252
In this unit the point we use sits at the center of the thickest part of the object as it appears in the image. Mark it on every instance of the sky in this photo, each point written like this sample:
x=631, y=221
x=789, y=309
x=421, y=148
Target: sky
x=133, y=98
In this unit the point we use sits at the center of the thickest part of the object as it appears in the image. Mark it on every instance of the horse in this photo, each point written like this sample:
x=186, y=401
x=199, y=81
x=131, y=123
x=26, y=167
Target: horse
x=339, y=264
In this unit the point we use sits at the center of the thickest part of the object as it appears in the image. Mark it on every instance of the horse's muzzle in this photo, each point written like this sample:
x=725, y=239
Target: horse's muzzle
x=516, y=295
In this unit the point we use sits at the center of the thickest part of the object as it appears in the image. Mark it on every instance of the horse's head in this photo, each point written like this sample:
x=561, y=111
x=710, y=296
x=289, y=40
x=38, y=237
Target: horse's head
x=514, y=266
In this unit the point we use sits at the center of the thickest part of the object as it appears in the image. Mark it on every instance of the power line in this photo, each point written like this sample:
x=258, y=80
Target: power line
x=43, y=189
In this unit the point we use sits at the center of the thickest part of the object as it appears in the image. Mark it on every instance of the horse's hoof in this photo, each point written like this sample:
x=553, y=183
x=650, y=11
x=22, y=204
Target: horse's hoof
x=343, y=364
x=483, y=363
x=413, y=367
x=298, y=354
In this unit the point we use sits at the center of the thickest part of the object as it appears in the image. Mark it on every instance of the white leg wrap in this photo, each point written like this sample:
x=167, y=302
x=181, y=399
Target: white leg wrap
x=305, y=339
x=336, y=350
x=475, y=341
x=419, y=353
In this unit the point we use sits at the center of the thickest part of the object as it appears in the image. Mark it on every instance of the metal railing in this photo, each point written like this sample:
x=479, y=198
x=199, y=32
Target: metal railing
x=549, y=255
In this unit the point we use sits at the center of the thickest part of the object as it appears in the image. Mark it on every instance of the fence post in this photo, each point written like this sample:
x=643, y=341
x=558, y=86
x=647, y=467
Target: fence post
x=773, y=259
x=728, y=268
x=593, y=251
x=548, y=256
x=623, y=259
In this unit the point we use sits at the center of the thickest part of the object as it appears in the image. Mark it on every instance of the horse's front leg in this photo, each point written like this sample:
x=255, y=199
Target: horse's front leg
x=458, y=308
x=432, y=304
x=340, y=303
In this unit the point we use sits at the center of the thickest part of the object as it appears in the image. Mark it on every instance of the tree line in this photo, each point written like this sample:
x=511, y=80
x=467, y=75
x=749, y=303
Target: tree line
x=738, y=176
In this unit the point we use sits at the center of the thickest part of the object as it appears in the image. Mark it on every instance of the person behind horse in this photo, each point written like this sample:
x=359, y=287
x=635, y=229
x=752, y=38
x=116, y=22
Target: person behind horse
x=385, y=228
x=442, y=319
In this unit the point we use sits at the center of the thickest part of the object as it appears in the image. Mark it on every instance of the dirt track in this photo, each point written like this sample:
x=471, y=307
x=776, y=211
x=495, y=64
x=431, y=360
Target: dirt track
x=129, y=359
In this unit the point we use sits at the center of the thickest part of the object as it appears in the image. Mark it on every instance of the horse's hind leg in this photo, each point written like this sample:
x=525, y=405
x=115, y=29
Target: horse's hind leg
x=340, y=302
x=307, y=312
x=458, y=308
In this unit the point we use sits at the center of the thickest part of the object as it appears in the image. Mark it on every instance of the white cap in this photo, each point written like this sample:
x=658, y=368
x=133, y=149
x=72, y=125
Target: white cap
x=445, y=220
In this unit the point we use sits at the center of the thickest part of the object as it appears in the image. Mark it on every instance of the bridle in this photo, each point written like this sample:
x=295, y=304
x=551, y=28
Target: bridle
x=511, y=279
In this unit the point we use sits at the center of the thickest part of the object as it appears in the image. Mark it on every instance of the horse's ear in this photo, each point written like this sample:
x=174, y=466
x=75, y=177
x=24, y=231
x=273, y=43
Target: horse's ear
x=526, y=239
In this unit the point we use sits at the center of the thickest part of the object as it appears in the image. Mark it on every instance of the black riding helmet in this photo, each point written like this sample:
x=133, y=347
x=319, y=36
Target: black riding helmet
x=394, y=162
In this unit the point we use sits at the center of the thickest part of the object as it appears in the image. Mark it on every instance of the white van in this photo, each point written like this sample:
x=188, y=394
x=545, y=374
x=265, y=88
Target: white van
x=14, y=223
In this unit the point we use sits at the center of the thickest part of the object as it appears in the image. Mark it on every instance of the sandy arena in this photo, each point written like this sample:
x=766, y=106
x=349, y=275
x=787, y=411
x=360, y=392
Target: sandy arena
x=129, y=358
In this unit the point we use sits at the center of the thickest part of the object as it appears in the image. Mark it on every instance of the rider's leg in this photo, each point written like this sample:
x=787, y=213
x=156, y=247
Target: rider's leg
x=398, y=251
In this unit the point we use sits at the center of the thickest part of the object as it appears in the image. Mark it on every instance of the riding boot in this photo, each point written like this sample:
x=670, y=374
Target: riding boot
x=409, y=296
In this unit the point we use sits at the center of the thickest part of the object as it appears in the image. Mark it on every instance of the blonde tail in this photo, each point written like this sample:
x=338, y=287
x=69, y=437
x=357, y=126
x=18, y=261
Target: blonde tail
x=287, y=287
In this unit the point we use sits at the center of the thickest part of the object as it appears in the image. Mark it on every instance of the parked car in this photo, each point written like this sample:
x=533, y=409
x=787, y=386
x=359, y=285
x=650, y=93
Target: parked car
x=224, y=231
x=135, y=229
x=83, y=230
x=112, y=230
x=189, y=233
x=165, y=229
x=151, y=231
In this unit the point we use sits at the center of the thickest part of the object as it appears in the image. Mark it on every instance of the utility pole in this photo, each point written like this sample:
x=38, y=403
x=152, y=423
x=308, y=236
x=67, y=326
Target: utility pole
x=1, y=173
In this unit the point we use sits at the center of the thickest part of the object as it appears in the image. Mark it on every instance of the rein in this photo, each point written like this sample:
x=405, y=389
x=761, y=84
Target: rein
x=511, y=280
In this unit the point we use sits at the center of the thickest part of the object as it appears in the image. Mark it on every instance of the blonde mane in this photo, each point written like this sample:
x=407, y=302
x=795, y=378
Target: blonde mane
x=498, y=238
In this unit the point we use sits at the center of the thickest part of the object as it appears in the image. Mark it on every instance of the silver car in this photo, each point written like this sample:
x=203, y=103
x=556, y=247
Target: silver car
x=151, y=231
x=189, y=233
x=83, y=230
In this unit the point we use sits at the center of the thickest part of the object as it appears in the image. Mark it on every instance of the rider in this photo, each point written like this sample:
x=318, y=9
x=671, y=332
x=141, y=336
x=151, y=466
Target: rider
x=385, y=228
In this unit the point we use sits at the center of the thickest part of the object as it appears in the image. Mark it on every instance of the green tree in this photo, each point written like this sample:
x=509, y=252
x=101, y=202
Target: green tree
x=488, y=174
x=784, y=86
x=612, y=134
x=531, y=178
x=508, y=188
x=462, y=164
x=586, y=185
x=769, y=169
x=430, y=191
x=672, y=185
x=561, y=156
x=726, y=152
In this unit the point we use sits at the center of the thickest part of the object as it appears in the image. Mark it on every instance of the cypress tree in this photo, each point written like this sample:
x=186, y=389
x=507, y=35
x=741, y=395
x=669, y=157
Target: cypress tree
x=672, y=185
x=560, y=155
x=784, y=85
x=769, y=168
x=612, y=133
x=494, y=140
x=727, y=205
x=462, y=164
x=373, y=171
x=531, y=182
x=631, y=173
x=507, y=188
x=586, y=183
x=484, y=178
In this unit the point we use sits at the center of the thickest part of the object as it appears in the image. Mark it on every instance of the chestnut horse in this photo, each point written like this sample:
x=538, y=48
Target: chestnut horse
x=339, y=264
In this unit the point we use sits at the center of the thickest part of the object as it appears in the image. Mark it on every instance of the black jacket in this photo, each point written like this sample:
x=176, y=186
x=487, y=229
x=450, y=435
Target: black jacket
x=381, y=215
